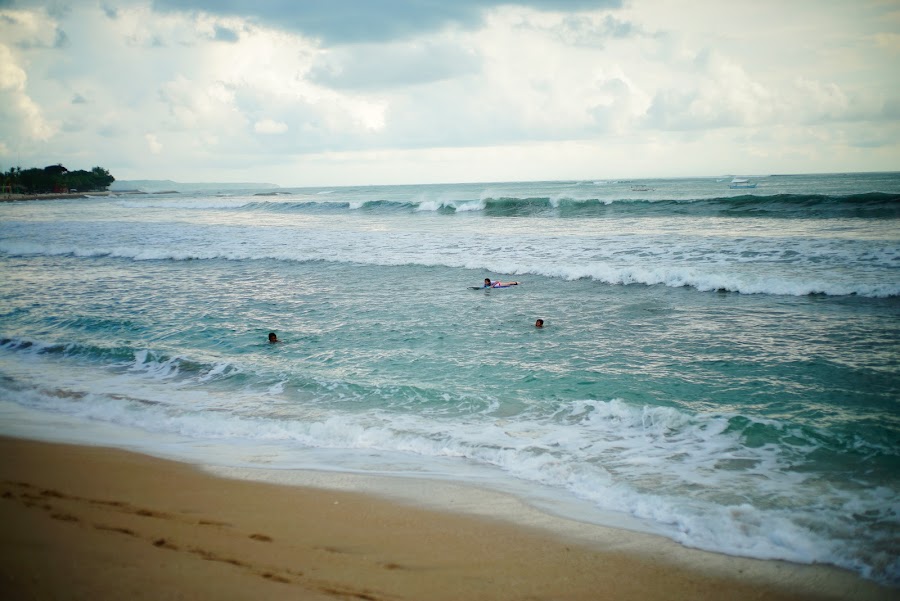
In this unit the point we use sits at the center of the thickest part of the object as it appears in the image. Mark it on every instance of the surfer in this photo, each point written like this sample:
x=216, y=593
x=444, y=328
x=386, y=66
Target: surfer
x=539, y=323
x=488, y=283
x=273, y=338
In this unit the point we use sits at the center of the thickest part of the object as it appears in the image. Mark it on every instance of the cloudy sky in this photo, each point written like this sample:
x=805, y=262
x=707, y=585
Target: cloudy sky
x=341, y=92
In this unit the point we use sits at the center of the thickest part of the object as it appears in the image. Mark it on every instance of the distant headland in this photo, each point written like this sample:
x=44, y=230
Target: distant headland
x=56, y=181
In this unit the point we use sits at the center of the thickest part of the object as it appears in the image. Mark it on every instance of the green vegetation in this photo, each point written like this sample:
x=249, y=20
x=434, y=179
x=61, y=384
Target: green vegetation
x=54, y=179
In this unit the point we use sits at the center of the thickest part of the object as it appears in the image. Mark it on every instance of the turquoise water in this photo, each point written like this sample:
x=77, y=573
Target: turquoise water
x=719, y=364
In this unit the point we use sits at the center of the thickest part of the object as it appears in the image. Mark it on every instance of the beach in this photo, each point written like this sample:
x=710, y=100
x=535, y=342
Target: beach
x=713, y=394
x=89, y=522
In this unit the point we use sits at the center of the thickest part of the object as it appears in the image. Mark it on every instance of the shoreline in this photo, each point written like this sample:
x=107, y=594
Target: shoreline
x=51, y=196
x=121, y=524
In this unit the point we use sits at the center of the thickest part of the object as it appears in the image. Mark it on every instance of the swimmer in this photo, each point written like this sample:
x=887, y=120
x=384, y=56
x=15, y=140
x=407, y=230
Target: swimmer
x=273, y=338
x=539, y=323
x=488, y=283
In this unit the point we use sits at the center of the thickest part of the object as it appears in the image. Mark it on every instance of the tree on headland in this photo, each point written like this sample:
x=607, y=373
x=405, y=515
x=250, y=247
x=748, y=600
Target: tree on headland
x=54, y=179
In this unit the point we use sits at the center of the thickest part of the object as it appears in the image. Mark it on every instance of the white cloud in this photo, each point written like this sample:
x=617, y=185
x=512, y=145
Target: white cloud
x=399, y=64
x=12, y=77
x=24, y=116
x=268, y=126
x=713, y=92
x=888, y=41
x=153, y=143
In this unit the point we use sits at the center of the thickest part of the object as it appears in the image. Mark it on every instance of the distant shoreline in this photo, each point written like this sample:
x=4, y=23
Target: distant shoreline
x=51, y=196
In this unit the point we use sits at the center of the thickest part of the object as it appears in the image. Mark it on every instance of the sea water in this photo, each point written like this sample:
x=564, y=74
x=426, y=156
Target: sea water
x=719, y=366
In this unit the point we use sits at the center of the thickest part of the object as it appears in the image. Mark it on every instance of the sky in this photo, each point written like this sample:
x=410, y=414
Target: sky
x=356, y=92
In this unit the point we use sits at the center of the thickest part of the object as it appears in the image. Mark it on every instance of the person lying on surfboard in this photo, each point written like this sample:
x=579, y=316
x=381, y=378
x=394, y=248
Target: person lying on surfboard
x=488, y=283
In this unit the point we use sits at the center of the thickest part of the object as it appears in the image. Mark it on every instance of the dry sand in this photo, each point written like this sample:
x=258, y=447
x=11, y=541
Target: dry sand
x=95, y=523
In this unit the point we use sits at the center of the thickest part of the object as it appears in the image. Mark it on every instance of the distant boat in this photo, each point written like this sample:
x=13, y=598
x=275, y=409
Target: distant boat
x=641, y=189
x=741, y=182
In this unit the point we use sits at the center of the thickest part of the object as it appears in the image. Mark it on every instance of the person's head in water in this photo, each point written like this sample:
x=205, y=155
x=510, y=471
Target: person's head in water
x=273, y=337
x=539, y=323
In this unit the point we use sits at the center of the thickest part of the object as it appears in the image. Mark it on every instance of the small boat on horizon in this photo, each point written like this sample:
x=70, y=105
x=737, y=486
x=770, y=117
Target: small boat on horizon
x=741, y=182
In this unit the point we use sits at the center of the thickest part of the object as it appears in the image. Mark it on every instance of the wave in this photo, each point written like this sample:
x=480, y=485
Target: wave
x=715, y=279
x=873, y=205
x=809, y=276
x=153, y=363
x=870, y=205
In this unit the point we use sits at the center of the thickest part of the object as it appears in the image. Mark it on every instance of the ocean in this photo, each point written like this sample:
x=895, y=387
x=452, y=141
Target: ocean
x=718, y=366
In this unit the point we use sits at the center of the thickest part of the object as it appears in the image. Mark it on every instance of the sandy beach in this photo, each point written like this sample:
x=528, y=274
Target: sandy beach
x=89, y=522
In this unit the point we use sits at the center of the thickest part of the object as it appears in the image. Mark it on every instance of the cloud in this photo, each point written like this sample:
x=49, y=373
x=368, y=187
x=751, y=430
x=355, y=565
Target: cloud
x=153, y=143
x=268, y=126
x=12, y=77
x=618, y=104
x=62, y=39
x=224, y=34
x=200, y=105
x=888, y=41
x=24, y=118
x=362, y=21
x=717, y=92
x=378, y=66
x=28, y=30
x=714, y=92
